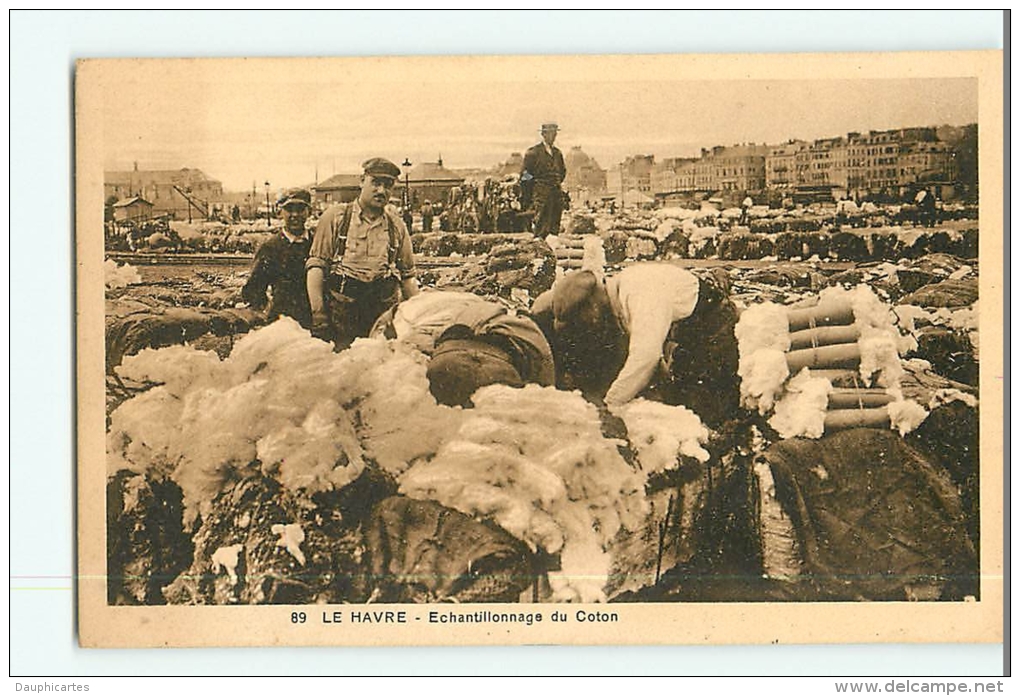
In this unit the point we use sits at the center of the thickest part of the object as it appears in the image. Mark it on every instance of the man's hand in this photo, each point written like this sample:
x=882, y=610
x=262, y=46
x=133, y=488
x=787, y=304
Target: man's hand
x=320, y=326
x=612, y=426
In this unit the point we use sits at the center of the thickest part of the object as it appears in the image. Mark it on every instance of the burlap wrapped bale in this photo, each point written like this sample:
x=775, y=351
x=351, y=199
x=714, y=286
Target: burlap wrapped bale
x=439, y=245
x=950, y=353
x=159, y=327
x=580, y=225
x=615, y=245
x=146, y=544
x=847, y=246
x=736, y=246
x=947, y=293
x=932, y=268
x=951, y=433
x=250, y=515
x=803, y=225
x=875, y=519
x=527, y=264
x=676, y=245
x=931, y=242
x=421, y=551
x=886, y=246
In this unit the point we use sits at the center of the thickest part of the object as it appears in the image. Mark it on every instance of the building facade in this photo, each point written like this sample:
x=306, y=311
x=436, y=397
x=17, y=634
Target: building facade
x=178, y=193
x=132, y=209
x=339, y=188
x=585, y=178
x=636, y=173
x=781, y=165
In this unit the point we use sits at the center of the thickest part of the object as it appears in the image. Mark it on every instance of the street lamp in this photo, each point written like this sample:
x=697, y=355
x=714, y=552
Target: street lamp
x=269, y=209
x=406, y=164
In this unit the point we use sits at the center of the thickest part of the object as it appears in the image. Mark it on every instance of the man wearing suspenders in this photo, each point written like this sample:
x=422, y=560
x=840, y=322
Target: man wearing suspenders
x=360, y=263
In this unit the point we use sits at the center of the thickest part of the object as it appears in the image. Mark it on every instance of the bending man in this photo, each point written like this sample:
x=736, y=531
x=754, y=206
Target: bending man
x=651, y=327
x=471, y=341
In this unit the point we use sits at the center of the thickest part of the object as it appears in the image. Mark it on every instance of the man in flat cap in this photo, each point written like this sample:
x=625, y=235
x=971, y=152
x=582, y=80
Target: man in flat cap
x=652, y=326
x=280, y=263
x=543, y=173
x=360, y=263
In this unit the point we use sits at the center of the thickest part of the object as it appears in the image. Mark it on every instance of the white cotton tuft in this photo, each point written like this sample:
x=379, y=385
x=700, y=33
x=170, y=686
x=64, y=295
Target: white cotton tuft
x=534, y=461
x=661, y=433
x=119, y=276
x=762, y=375
x=282, y=399
x=594, y=258
x=906, y=415
x=801, y=411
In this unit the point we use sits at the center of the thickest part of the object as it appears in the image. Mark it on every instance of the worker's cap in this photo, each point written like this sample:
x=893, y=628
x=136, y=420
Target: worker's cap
x=461, y=366
x=295, y=196
x=380, y=167
x=568, y=294
x=550, y=126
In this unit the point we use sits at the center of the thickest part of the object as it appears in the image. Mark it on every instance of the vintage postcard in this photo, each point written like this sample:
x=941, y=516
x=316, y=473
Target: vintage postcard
x=673, y=349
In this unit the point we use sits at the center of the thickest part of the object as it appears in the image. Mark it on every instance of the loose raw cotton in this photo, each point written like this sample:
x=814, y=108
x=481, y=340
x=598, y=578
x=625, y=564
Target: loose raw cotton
x=534, y=461
x=119, y=276
x=282, y=399
x=905, y=415
x=594, y=259
x=659, y=433
x=763, y=337
x=801, y=411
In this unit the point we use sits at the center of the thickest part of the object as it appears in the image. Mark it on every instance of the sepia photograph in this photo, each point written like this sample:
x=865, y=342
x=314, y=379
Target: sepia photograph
x=539, y=349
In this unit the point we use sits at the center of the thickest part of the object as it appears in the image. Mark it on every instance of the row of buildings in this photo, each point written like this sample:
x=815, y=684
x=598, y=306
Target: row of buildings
x=892, y=163
x=184, y=194
x=889, y=163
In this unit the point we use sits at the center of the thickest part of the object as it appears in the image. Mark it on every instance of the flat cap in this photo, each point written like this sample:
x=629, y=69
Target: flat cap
x=295, y=195
x=572, y=292
x=378, y=166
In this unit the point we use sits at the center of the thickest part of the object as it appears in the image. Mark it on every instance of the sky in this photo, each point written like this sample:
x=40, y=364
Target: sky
x=294, y=122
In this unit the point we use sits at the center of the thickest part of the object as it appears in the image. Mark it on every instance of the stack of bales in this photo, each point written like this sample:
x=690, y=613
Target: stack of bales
x=827, y=367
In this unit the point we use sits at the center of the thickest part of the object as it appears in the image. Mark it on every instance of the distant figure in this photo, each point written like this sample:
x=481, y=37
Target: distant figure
x=925, y=203
x=426, y=217
x=745, y=210
x=542, y=176
x=235, y=213
x=280, y=263
x=361, y=262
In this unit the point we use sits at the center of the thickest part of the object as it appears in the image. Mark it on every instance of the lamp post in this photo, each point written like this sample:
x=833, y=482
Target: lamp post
x=406, y=164
x=269, y=210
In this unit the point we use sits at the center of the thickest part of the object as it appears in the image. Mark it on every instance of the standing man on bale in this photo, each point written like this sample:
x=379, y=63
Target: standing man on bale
x=280, y=263
x=543, y=173
x=360, y=263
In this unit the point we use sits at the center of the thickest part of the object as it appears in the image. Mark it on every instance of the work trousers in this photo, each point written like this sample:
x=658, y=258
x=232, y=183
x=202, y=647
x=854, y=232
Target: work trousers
x=355, y=305
x=547, y=202
x=702, y=359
